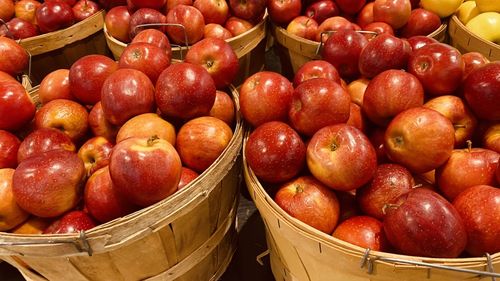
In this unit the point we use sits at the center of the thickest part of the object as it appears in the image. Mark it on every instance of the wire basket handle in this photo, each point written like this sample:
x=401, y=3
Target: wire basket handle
x=321, y=43
x=169, y=24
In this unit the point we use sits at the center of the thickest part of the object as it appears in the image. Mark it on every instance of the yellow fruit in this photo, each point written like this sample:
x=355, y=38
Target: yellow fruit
x=486, y=26
x=466, y=11
x=442, y=8
x=488, y=5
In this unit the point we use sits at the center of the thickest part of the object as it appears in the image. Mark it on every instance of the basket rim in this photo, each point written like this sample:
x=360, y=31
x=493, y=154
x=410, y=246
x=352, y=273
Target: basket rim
x=457, y=25
x=257, y=190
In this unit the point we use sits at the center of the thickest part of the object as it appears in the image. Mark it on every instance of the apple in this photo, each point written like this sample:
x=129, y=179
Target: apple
x=275, y=152
x=55, y=85
x=95, y=153
x=333, y=24
x=84, y=9
x=437, y=62
x=223, y=108
x=11, y=214
x=217, y=57
x=102, y=201
x=491, y=138
x=18, y=28
x=213, y=11
x=316, y=69
x=356, y=90
x=350, y=7
x=419, y=138
x=341, y=157
x=418, y=41
x=443, y=8
x=378, y=27
x=281, y=12
x=52, y=16
x=310, y=201
x=99, y=125
x=9, y=145
x=13, y=58
x=457, y=111
x=422, y=223
x=389, y=93
x=109, y=4
x=8, y=10
x=376, y=136
x=357, y=118
x=71, y=3
x=237, y=26
x=147, y=125
x=155, y=37
x=67, y=116
x=16, y=107
x=33, y=225
x=247, y=9
x=86, y=76
x=472, y=61
x=153, y=4
x=117, y=21
x=213, y=30
x=265, y=96
x=145, y=57
x=55, y=187
x=321, y=10
x=72, y=222
x=362, y=231
x=465, y=168
x=317, y=103
x=482, y=91
x=133, y=167
x=389, y=182
x=145, y=16
x=304, y=27
x=192, y=20
x=172, y=3
x=43, y=140
x=6, y=76
x=187, y=176
x=26, y=9
x=365, y=16
x=342, y=50
x=394, y=12
x=185, y=90
x=421, y=22
x=382, y=53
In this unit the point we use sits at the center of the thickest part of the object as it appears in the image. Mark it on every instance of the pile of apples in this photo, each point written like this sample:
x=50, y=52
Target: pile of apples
x=109, y=138
x=199, y=18
x=28, y=18
x=481, y=17
x=390, y=146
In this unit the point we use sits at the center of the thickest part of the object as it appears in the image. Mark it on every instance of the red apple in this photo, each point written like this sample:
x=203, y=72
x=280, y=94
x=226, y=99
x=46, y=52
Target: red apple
x=185, y=91
x=18, y=28
x=133, y=167
x=341, y=157
x=422, y=223
x=11, y=215
x=362, y=231
x=376, y=137
x=72, y=222
x=282, y=12
x=237, y=26
x=155, y=37
x=87, y=75
x=482, y=91
x=382, y=53
x=311, y=202
x=117, y=23
x=378, y=27
x=247, y=9
x=321, y=10
x=13, y=58
x=213, y=11
x=304, y=27
x=102, y=201
x=172, y=3
x=389, y=182
x=187, y=176
x=420, y=139
x=8, y=9
x=356, y=90
x=223, y=108
x=16, y=107
x=439, y=67
x=342, y=50
x=109, y=4
x=71, y=3
x=394, y=12
x=145, y=57
x=145, y=16
x=217, y=57
x=350, y=7
x=417, y=42
x=389, y=93
x=147, y=125
x=316, y=69
x=317, y=103
x=95, y=154
x=192, y=20
x=457, y=111
x=9, y=145
x=99, y=125
x=6, y=76
x=213, y=30
x=213, y=133
x=333, y=24
x=55, y=85
x=52, y=16
x=472, y=61
x=275, y=152
x=26, y=9
x=420, y=22
x=357, y=118
x=365, y=16
x=84, y=9
x=43, y=140
x=153, y=4
x=265, y=96
x=54, y=188
x=491, y=138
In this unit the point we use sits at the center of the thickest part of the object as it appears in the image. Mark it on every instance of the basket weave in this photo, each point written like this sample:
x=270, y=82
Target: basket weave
x=300, y=252
x=187, y=236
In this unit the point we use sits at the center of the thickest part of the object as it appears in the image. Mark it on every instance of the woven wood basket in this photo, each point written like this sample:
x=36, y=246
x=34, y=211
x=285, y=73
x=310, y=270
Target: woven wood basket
x=60, y=49
x=299, y=252
x=294, y=51
x=188, y=236
x=249, y=48
x=466, y=41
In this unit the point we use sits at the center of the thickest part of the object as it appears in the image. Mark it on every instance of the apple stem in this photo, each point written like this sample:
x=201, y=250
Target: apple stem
x=469, y=145
x=152, y=140
x=384, y=209
x=459, y=126
x=299, y=188
x=417, y=186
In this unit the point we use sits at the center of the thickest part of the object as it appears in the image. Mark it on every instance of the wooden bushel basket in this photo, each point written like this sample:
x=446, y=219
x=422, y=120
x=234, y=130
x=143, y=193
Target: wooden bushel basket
x=299, y=252
x=466, y=41
x=188, y=236
x=294, y=51
x=60, y=49
x=249, y=48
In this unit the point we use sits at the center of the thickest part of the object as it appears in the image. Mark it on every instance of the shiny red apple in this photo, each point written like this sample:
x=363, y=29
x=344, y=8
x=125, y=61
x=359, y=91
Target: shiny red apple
x=54, y=15
x=72, y=222
x=213, y=30
x=26, y=9
x=282, y=12
x=145, y=16
x=248, y=10
x=420, y=22
x=9, y=145
x=43, y=140
x=13, y=58
x=117, y=23
x=192, y=20
x=362, y=231
x=55, y=85
x=99, y=125
x=187, y=176
x=16, y=107
x=482, y=91
x=18, y=28
x=145, y=57
x=84, y=9
x=213, y=11
x=223, y=108
x=316, y=69
x=394, y=12
x=321, y=10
